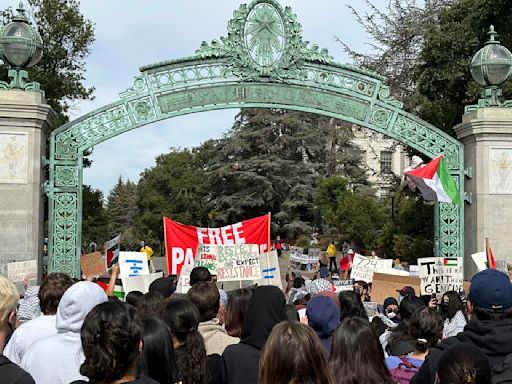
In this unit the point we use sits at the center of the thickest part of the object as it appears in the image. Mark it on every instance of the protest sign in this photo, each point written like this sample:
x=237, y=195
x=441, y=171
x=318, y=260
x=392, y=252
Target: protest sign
x=270, y=271
x=440, y=274
x=112, y=248
x=20, y=270
x=92, y=264
x=184, y=280
x=139, y=283
x=181, y=240
x=343, y=285
x=501, y=265
x=132, y=264
x=479, y=260
x=414, y=270
x=297, y=250
x=314, y=252
x=205, y=258
x=363, y=267
x=384, y=286
x=237, y=262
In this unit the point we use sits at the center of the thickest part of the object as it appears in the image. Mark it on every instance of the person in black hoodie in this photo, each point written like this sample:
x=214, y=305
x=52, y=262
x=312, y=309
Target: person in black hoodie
x=490, y=310
x=266, y=309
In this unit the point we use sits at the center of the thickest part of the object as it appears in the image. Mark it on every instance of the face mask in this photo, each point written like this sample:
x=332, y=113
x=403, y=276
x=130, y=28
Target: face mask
x=357, y=291
x=391, y=315
x=400, y=298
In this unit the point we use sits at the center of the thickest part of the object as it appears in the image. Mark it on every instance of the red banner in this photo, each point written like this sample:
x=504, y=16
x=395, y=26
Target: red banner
x=181, y=240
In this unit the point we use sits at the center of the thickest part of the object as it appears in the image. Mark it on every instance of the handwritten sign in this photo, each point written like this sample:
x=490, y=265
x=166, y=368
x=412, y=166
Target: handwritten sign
x=363, y=267
x=132, y=264
x=296, y=250
x=270, y=271
x=440, y=274
x=20, y=270
x=237, y=262
x=205, y=258
x=92, y=264
x=343, y=285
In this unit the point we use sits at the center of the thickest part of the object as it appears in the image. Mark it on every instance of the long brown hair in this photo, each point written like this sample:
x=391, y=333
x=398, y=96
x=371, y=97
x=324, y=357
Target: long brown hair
x=293, y=354
x=356, y=355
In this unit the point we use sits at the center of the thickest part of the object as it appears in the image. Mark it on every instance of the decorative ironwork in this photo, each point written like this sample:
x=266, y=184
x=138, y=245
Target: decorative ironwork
x=244, y=69
x=264, y=40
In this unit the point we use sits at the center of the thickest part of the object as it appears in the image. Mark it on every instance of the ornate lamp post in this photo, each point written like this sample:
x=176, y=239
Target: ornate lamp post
x=21, y=47
x=491, y=67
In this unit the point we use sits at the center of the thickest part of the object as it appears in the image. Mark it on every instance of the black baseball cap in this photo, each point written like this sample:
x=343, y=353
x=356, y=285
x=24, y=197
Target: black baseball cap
x=162, y=285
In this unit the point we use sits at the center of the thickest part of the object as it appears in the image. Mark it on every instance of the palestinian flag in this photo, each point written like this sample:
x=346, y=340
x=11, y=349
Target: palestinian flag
x=435, y=182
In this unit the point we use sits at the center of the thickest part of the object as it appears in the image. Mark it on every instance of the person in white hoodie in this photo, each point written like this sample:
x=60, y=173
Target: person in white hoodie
x=56, y=359
x=50, y=293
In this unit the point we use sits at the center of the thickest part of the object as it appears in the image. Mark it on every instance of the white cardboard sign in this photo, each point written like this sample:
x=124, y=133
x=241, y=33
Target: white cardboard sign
x=440, y=274
x=140, y=283
x=363, y=267
x=19, y=270
x=132, y=264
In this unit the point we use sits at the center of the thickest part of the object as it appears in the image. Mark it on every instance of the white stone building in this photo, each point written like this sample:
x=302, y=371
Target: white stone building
x=384, y=157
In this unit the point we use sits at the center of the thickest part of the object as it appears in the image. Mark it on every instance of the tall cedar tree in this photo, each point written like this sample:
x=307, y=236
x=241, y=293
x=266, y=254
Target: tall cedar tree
x=270, y=162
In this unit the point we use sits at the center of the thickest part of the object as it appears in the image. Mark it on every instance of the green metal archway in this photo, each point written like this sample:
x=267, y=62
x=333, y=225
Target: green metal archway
x=264, y=63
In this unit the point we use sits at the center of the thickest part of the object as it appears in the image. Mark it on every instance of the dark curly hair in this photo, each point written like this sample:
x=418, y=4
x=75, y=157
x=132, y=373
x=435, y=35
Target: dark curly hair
x=110, y=335
x=182, y=317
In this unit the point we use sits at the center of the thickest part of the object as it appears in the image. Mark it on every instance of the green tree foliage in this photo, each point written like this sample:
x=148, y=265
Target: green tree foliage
x=445, y=83
x=67, y=36
x=270, y=161
x=95, y=217
x=397, y=34
x=358, y=215
x=175, y=187
x=122, y=211
x=404, y=230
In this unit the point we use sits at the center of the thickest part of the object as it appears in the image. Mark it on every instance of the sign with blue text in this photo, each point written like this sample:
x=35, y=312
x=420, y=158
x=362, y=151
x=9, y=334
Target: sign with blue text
x=132, y=264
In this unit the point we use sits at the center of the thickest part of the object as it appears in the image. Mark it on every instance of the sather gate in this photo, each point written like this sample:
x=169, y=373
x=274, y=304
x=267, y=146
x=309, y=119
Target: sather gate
x=263, y=62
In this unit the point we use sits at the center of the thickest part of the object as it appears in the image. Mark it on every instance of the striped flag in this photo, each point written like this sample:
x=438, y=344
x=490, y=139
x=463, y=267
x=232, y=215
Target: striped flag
x=435, y=182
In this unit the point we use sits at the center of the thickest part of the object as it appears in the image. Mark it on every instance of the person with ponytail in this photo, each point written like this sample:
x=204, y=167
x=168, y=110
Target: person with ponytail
x=112, y=343
x=426, y=329
x=192, y=365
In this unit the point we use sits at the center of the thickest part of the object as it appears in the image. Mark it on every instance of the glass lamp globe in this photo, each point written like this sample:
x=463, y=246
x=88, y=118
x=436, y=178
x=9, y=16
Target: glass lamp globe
x=492, y=64
x=21, y=45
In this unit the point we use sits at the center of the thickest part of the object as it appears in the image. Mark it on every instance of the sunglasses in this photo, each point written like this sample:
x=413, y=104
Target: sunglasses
x=392, y=310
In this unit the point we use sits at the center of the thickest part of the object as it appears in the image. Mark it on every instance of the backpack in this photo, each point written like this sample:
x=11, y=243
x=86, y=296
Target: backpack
x=502, y=373
x=404, y=372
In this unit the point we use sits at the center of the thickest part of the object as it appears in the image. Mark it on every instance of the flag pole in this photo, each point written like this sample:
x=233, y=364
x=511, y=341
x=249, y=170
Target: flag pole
x=268, y=248
x=165, y=244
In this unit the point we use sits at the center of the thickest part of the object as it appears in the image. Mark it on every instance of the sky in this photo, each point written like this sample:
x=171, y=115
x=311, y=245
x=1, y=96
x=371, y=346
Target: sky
x=133, y=33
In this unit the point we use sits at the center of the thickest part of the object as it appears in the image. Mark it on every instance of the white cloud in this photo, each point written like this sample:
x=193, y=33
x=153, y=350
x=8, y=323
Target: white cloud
x=132, y=33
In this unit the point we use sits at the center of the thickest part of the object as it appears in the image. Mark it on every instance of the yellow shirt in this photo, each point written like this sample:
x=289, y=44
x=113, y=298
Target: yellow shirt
x=148, y=251
x=331, y=250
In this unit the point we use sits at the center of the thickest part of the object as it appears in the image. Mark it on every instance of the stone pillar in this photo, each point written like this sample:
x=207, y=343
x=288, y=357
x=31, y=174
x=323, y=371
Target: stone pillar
x=487, y=137
x=24, y=121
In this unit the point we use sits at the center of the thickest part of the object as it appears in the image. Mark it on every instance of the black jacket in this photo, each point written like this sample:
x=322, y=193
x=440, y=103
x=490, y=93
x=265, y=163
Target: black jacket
x=494, y=338
x=10, y=373
x=242, y=363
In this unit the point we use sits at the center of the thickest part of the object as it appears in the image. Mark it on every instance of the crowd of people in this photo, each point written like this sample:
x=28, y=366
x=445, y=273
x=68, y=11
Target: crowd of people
x=68, y=331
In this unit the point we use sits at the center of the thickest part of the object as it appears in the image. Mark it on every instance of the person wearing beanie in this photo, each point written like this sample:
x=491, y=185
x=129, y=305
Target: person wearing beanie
x=324, y=317
x=388, y=319
x=490, y=309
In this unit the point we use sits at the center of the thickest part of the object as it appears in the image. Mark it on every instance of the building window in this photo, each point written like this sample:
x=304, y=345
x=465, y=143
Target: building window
x=386, y=161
